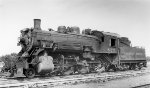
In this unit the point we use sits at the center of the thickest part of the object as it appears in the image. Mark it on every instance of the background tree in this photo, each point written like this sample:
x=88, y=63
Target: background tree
x=9, y=60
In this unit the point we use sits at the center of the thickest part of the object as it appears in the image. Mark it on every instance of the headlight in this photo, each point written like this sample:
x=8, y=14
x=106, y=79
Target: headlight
x=18, y=41
x=2, y=64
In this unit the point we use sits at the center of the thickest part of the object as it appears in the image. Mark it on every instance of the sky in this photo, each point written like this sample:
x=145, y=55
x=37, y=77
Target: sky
x=129, y=18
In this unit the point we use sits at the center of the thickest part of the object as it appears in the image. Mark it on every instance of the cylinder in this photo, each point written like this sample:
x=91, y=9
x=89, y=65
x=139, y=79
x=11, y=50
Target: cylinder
x=37, y=24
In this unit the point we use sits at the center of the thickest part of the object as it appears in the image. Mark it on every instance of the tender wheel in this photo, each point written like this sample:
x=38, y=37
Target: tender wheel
x=132, y=67
x=30, y=73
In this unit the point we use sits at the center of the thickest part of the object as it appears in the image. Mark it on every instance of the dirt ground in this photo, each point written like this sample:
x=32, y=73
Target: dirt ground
x=119, y=83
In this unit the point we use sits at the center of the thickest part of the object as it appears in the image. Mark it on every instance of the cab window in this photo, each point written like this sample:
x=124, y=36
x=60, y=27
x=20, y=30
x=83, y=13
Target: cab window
x=112, y=42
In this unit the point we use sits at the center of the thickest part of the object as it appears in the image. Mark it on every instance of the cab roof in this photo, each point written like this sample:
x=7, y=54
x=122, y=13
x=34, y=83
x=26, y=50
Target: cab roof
x=111, y=34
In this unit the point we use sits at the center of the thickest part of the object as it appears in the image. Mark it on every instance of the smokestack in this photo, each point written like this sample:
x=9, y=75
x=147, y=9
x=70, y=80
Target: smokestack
x=37, y=24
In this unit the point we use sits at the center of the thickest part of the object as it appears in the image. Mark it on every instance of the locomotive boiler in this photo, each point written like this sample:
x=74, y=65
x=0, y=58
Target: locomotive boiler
x=66, y=51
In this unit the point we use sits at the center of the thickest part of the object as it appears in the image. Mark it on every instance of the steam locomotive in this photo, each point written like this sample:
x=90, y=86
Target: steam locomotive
x=69, y=52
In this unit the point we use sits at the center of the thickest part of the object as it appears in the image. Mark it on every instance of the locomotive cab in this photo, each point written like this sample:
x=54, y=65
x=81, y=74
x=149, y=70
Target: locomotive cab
x=110, y=42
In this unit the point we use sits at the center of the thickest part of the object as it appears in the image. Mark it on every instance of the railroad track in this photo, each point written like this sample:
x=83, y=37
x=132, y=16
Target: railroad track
x=143, y=86
x=67, y=80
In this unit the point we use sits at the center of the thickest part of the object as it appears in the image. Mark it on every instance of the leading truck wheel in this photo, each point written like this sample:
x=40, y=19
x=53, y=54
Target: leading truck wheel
x=30, y=73
x=11, y=73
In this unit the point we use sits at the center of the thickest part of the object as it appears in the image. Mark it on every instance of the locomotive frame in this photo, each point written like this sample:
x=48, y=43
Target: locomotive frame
x=92, y=51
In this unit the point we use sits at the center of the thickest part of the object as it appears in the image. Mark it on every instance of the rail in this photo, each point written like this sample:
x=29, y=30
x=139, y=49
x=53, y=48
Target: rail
x=65, y=80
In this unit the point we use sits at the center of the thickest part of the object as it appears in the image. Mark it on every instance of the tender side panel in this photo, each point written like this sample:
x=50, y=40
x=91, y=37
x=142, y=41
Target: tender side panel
x=132, y=54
